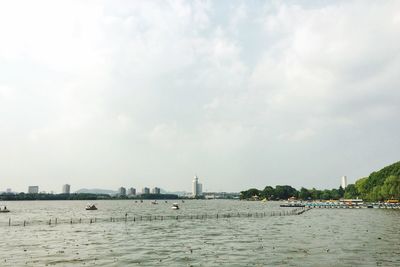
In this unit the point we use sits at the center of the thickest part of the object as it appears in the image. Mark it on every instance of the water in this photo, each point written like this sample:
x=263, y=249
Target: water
x=320, y=237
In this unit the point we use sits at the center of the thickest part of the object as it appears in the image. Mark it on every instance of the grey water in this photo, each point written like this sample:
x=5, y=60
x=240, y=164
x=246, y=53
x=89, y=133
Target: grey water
x=320, y=237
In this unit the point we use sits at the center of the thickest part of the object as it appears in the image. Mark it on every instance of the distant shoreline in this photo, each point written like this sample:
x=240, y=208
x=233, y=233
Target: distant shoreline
x=84, y=196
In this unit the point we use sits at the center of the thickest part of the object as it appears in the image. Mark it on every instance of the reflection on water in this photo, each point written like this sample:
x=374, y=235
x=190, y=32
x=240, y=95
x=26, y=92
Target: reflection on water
x=368, y=237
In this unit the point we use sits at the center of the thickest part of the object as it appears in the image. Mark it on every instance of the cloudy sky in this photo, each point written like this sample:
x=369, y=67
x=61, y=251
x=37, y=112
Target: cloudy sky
x=102, y=94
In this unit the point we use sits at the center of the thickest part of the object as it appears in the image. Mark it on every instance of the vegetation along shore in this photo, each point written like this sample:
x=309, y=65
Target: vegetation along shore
x=378, y=186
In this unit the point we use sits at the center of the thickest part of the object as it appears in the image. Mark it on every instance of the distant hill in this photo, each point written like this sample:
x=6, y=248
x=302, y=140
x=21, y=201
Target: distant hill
x=96, y=191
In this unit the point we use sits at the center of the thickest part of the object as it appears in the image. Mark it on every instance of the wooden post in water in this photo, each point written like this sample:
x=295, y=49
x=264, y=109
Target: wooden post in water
x=24, y=223
x=9, y=222
x=56, y=220
x=50, y=222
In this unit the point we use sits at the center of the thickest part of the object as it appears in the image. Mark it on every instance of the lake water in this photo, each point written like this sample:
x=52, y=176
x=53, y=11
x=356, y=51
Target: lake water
x=319, y=237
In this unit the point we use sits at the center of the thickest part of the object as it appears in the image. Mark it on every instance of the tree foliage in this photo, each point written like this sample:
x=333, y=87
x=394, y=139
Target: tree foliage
x=380, y=185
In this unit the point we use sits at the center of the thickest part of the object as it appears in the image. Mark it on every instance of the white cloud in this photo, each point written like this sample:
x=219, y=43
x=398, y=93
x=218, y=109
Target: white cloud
x=166, y=89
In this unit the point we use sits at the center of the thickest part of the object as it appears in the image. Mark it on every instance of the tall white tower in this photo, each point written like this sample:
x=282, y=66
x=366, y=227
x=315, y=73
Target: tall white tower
x=195, y=186
x=344, y=182
x=66, y=189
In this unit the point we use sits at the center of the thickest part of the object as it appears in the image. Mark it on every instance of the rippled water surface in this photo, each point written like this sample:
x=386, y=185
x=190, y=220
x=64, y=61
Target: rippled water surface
x=320, y=237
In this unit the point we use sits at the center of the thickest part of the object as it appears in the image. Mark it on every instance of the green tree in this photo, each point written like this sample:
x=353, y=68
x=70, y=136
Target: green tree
x=391, y=187
x=285, y=192
x=326, y=194
x=363, y=187
x=268, y=192
x=304, y=194
x=335, y=194
x=375, y=194
x=315, y=194
x=351, y=191
x=341, y=192
x=249, y=193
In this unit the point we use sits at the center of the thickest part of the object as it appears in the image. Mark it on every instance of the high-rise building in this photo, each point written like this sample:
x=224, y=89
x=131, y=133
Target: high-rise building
x=344, y=182
x=66, y=189
x=33, y=189
x=132, y=191
x=146, y=190
x=156, y=190
x=197, y=188
x=122, y=191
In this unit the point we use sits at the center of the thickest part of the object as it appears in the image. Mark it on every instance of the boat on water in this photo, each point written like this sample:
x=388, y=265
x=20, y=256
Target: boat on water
x=4, y=209
x=91, y=207
x=154, y=202
x=175, y=206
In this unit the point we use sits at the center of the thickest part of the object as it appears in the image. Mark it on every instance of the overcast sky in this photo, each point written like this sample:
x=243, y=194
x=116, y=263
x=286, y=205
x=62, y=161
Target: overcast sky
x=102, y=94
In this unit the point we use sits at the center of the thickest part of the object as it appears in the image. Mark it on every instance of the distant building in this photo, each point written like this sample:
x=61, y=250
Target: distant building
x=197, y=188
x=66, y=189
x=122, y=191
x=146, y=190
x=132, y=191
x=156, y=190
x=344, y=182
x=33, y=189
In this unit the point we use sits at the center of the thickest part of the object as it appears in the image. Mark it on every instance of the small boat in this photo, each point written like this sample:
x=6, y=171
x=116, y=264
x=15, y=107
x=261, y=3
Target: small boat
x=91, y=207
x=154, y=202
x=175, y=206
x=4, y=209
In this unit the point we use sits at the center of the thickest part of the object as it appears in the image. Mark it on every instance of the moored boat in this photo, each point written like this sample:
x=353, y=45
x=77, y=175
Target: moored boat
x=175, y=206
x=4, y=209
x=91, y=207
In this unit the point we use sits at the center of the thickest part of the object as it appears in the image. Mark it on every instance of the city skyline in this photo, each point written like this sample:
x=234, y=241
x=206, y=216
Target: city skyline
x=196, y=189
x=244, y=93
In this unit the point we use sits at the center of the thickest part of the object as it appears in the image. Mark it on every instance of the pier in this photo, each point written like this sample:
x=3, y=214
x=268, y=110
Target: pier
x=335, y=205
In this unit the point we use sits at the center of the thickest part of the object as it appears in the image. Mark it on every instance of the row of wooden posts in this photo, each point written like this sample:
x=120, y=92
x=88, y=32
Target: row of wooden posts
x=135, y=218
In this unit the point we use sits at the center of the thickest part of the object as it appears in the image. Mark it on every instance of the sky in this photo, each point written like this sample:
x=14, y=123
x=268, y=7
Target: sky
x=103, y=94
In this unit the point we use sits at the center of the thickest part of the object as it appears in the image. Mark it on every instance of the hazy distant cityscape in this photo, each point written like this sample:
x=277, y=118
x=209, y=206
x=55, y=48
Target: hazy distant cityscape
x=197, y=191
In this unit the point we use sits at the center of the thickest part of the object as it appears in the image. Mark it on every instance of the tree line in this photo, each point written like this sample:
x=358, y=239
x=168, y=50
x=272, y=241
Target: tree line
x=286, y=191
x=378, y=186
